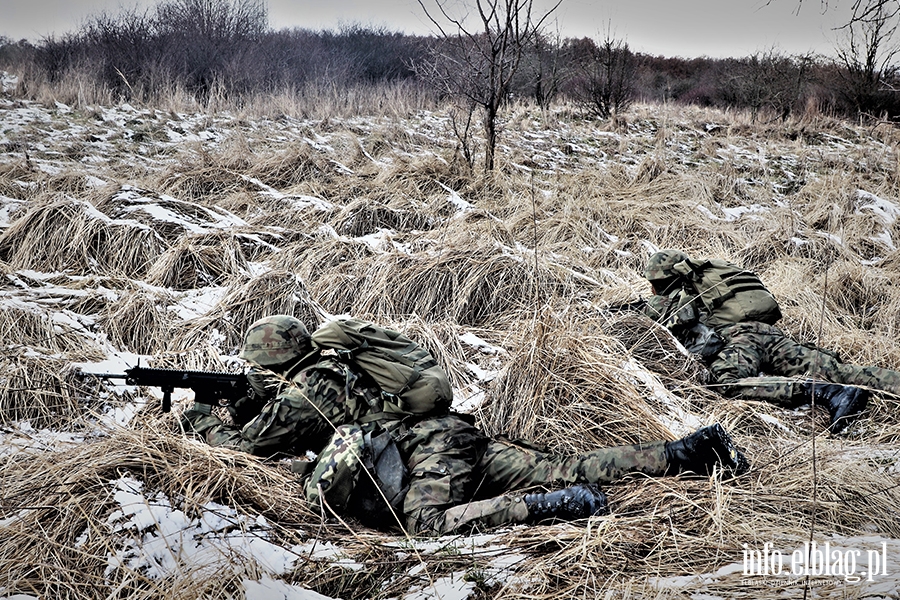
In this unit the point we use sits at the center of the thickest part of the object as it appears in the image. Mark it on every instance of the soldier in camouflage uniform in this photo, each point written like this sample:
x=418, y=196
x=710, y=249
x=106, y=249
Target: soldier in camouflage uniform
x=458, y=477
x=755, y=359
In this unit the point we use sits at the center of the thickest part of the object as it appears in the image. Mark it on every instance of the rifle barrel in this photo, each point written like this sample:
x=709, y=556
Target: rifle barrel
x=83, y=374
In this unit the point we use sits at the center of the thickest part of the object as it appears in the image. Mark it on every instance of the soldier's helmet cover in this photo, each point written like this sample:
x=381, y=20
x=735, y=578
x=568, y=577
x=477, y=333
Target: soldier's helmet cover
x=659, y=267
x=275, y=340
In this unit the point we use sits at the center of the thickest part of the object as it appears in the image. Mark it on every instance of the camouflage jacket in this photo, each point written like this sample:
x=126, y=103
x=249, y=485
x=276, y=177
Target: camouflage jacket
x=677, y=312
x=684, y=316
x=301, y=413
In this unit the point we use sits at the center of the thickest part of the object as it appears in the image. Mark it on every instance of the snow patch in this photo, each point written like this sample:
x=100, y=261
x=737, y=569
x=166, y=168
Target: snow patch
x=272, y=589
x=159, y=540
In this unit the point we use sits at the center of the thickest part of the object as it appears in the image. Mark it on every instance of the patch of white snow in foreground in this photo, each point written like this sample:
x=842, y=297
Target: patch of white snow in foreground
x=272, y=589
x=450, y=587
x=501, y=568
x=22, y=437
x=158, y=540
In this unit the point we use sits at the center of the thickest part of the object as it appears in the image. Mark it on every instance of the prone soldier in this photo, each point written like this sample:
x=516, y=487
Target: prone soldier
x=454, y=476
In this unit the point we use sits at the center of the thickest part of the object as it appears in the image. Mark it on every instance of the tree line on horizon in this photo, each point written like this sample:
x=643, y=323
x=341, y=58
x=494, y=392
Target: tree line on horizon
x=226, y=47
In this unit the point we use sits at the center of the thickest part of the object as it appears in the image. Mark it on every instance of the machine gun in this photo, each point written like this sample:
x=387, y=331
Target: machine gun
x=635, y=306
x=210, y=387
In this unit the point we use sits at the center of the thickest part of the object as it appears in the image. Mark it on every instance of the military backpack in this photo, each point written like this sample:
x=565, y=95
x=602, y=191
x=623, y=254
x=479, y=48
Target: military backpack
x=729, y=293
x=361, y=472
x=407, y=374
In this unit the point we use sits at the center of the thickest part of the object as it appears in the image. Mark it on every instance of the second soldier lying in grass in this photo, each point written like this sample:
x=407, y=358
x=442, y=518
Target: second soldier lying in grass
x=400, y=457
x=725, y=314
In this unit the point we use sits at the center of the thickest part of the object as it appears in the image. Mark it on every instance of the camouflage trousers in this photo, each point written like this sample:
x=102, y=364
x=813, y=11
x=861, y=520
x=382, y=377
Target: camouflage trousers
x=460, y=478
x=754, y=349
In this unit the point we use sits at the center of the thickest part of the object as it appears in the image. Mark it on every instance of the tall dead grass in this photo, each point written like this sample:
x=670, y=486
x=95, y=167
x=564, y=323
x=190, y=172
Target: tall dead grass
x=378, y=220
x=273, y=292
x=198, y=261
x=72, y=235
x=44, y=391
x=62, y=508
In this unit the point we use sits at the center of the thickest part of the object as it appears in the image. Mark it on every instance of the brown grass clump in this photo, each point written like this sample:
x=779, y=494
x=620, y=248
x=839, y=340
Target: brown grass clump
x=61, y=503
x=204, y=181
x=43, y=390
x=364, y=217
x=567, y=376
x=273, y=292
x=139, y=322
x=169, y=217
x=22, y=326
x=472, y=286
x=298, y=164
x=72, y=235
x=198, y=261
x=318, y=257
x=657, y=350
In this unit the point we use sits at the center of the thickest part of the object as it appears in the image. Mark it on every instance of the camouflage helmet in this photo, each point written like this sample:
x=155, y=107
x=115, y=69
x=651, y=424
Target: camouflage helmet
x=275, y=340
x=660, y=265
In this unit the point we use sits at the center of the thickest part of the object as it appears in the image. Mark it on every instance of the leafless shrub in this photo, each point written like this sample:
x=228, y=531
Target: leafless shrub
x=604, y=76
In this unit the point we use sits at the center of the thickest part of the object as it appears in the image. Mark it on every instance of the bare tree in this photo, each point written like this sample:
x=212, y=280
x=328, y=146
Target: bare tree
x=865, y=11
x=868, y=55
x=607, y=73
x=768, y=81
x=205, y=39
x=545, y=68
x=861, y=11
x=476, y=63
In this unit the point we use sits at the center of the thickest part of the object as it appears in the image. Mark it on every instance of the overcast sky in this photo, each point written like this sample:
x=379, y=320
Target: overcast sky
x=687, y=28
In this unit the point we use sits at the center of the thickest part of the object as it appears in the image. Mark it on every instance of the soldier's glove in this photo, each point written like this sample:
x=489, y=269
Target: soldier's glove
x=199, y=419
x=243, y=410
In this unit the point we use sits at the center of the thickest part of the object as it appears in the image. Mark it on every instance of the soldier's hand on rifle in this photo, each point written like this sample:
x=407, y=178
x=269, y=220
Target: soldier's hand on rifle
x=244, y=409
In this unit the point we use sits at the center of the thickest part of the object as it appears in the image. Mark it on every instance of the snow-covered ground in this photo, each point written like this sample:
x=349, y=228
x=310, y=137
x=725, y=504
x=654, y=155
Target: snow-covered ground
x=117, y=148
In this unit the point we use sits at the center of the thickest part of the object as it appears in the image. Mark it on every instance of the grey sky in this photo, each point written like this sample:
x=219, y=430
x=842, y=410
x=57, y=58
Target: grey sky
x=669, y=27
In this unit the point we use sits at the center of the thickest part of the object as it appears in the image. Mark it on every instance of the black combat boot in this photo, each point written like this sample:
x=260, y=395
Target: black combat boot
x=576, y=502
x=844, y=402
x=700, y=451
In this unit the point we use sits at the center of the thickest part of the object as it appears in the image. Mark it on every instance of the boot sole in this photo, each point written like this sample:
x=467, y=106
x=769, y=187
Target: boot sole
x=735, y=461
x=857, y=404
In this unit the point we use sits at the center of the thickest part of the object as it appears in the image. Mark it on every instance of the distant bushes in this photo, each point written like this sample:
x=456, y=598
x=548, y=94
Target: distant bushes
x=226, y=48
x=203, y=47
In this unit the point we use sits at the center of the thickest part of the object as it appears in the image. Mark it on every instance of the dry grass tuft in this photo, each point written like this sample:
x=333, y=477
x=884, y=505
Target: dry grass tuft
x=206, y=180
x=657, y=350
x=572, y=387
x=273, y=292
x=363, y=217
x=199, y=261
x=72, y=235
x=62, y=512
x=479, y=286
x=22, y=326
x=169, y=217
x=288, y=168
x=44, y=391
x=139, y=322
